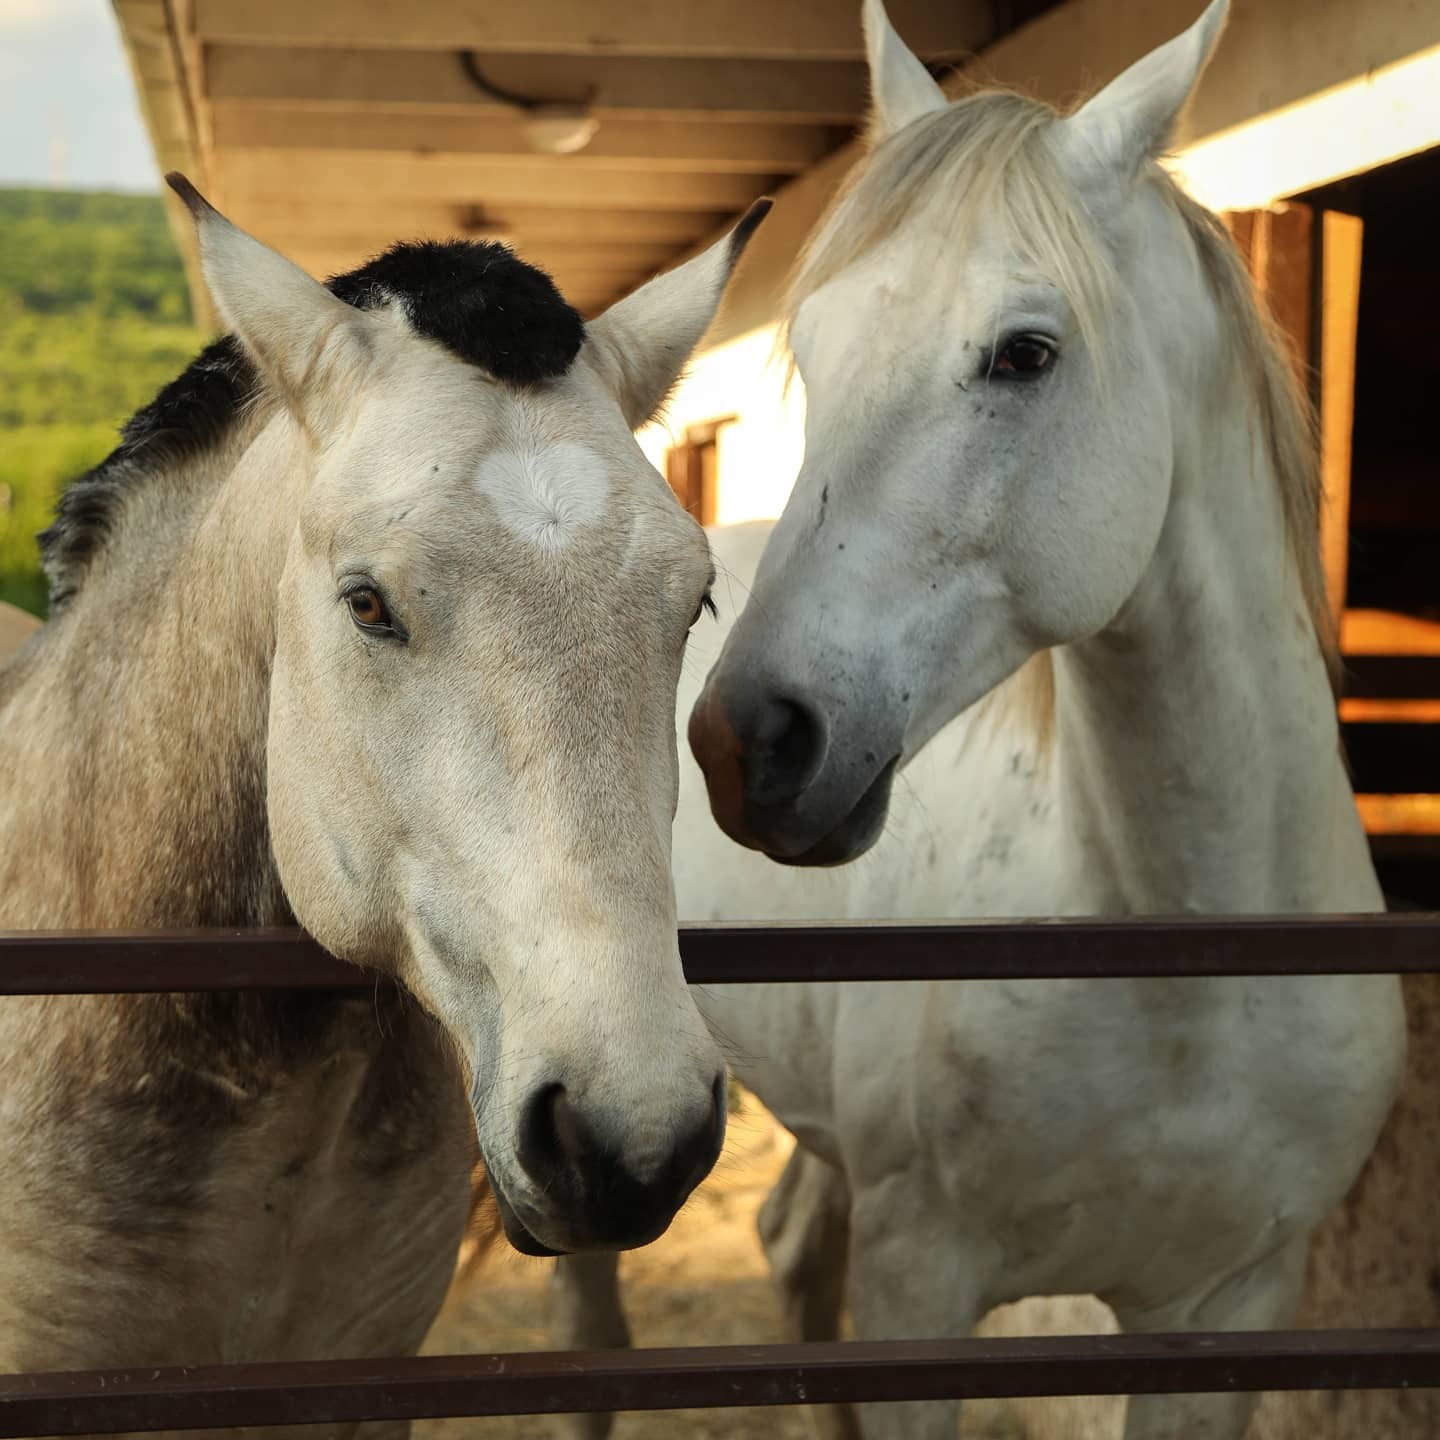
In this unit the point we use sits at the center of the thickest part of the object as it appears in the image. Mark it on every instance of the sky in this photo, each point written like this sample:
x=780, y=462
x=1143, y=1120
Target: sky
x=68, y=113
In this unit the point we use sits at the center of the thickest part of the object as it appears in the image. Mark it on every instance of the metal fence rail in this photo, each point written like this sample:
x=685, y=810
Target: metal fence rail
x=316, y=1392
x=104, y=962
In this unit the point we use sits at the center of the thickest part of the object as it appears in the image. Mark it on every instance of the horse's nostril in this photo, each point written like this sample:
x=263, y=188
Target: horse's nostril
x=564, y=1127
x=549, y=1134
x=787, y=748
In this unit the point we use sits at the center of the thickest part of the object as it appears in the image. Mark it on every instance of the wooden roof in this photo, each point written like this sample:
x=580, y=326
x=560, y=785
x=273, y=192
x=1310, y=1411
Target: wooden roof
x=329, y=128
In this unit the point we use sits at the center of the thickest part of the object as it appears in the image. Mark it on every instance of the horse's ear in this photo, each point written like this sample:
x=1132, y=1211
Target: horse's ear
x=304, y=340
x=900, y=86
x=641, y=343
x=1131, y=120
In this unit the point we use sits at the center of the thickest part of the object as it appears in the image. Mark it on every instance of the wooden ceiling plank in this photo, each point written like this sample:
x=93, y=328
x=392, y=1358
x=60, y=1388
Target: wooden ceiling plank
x=616, y=260
x=584, y=291
x=733, y=149
x=310, y=218
x=610, y=226
x=310, y=221
x=750, y=28
x=774, y=91
x=546, y=182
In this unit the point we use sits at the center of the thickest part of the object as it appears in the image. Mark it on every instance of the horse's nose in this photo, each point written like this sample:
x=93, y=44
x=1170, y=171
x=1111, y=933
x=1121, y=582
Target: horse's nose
x=786, y=746
x=580, y=1165
x=759, y=752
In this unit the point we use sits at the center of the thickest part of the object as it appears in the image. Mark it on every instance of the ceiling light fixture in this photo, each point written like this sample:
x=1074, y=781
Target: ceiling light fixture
x=552, y=127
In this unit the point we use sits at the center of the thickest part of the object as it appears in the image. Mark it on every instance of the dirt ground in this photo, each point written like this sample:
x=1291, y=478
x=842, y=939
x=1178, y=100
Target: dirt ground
x=706, y=1283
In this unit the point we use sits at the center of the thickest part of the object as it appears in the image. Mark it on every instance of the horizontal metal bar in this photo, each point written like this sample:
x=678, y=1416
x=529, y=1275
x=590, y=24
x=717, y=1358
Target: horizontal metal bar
x=103, y=962
x=334, y=1391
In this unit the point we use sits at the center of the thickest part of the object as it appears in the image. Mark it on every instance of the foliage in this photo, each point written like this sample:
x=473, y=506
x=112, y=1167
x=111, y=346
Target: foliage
x=35, y=463
x=94, y=319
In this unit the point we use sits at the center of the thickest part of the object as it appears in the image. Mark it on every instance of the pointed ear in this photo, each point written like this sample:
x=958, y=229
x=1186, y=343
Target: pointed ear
x=1131, y=120
x=643, y=341
x=307, y=343
x=901, y=88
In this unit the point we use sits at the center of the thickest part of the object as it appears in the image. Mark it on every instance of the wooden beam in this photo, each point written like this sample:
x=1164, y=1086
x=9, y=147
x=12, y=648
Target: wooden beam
x=312, y=219
x=819, y=29
x=1341, y=237
x=311, y=222
x=763, y=91
x=546, y=182
x=617, y=262
x=1281, y=254
x=620, y=143
x=575, y=270
x=1273, y=53
x=628, y=227
x=157, y=64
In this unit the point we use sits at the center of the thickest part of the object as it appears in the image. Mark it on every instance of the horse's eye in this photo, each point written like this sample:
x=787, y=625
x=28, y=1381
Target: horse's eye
x=1023, y=357
x=368, y=609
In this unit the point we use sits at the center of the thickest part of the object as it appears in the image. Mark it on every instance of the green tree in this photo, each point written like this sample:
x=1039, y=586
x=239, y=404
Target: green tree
x=94, y=319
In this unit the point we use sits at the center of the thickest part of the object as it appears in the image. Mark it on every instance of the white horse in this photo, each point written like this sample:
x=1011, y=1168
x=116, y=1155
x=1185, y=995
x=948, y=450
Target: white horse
x=373, y=620
x=1053, y=456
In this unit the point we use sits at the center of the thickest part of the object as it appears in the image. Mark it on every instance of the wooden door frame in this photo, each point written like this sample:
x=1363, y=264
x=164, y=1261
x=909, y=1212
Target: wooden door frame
x=692, y=468
x=1306, y=265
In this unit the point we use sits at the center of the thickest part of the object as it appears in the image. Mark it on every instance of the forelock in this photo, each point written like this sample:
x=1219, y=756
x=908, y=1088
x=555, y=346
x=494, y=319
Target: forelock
x=988, y=157
x=479, y=300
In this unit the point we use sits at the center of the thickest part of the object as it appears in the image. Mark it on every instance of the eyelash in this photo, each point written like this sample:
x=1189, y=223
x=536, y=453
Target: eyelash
x=705, y=607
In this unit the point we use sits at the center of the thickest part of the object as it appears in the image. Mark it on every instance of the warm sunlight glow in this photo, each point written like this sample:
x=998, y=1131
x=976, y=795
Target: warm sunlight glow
x=1400, y=814
x=760, y=452
x=1395, y=712
x=1388, y=632
x=1390, y=113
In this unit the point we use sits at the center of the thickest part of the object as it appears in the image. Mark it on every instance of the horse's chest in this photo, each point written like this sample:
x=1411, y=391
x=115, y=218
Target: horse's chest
x=1099, y=1136
x=232, y=1180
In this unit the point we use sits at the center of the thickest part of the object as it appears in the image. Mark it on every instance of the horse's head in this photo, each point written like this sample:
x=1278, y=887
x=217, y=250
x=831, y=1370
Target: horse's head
x=988, y=436
x=471, y=764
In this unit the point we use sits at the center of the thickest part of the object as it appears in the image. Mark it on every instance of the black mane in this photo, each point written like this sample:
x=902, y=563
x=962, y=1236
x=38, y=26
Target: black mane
x=479, y=300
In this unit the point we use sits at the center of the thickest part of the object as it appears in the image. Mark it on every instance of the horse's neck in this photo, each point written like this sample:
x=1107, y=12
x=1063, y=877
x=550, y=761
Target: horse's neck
x=132, y=747
x=1198, y=756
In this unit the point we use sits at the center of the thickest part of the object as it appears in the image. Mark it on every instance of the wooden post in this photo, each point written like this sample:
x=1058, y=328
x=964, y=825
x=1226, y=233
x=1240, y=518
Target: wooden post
x=1307, y=268
x=1340, y=247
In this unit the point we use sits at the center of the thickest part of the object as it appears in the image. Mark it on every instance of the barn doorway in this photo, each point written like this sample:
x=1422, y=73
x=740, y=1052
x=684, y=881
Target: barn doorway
x=1352, y=274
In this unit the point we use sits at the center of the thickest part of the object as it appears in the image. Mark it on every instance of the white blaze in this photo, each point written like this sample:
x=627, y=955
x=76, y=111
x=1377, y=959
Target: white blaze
x=545, y=495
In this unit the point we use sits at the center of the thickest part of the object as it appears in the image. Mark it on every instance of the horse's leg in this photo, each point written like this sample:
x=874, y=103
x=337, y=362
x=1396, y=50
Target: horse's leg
x=913, y=1276
x=1263, y=1297
x=805, y=1228
x=586, y=1313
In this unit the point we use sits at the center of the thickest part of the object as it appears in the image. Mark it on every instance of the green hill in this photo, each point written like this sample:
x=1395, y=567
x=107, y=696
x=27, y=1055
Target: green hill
x=94, y=319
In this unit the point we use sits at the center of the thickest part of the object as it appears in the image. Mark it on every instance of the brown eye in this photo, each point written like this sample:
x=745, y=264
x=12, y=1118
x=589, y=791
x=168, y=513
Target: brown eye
x=1023, y=357
x=368, y=609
